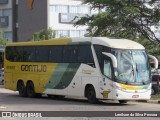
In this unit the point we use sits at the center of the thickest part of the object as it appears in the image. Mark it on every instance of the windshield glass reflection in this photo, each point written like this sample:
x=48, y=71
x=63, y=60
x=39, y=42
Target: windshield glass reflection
x=132, y=66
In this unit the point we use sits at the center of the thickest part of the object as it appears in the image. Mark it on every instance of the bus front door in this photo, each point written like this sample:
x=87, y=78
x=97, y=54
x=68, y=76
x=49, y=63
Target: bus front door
x=107, y=80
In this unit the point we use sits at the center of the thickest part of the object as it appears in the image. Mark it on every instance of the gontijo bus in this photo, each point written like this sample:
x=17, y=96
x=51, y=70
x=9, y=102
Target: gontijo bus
x=97, y=68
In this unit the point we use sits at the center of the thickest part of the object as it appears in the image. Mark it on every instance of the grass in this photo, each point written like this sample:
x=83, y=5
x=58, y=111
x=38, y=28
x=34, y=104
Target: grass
x=155, y=97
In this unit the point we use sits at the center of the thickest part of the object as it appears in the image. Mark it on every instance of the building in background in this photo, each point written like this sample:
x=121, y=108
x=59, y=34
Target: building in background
x=7, y=22
x=34, y=15
x=19, y=19
x=61, y=16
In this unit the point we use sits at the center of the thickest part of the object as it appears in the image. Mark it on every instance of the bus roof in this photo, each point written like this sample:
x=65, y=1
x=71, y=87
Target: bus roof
x=109, y=42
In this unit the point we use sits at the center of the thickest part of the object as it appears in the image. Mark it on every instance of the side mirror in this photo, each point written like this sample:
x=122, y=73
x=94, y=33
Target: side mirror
x=155, y=69
x=113, y=58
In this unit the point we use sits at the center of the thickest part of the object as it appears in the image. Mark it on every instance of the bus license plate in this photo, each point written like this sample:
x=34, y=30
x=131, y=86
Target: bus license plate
x=135, y=96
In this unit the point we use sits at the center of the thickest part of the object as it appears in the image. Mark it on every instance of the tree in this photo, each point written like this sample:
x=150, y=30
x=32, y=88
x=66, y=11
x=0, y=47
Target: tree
x=122, y=19
x=3, y=41
x=150, y=47
x=43, y=35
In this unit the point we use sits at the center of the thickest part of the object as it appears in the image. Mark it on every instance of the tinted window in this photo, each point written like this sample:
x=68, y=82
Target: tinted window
x=99, y=49
x=85, y=54
x=55, y=53
x=42, y=54
x=19, y=54
x=14, y=53
x=70, y=54
x=59, y=54
x=107, y=71
x=29, y=54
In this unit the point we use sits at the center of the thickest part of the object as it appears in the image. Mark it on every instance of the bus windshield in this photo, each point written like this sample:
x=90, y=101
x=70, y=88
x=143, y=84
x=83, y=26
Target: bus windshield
x=133, y=66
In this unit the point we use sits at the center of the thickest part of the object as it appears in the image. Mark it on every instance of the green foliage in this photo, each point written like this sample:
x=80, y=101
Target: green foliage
x=150, y=47
x=3, y=41
x=122, y=19
x=43, y=35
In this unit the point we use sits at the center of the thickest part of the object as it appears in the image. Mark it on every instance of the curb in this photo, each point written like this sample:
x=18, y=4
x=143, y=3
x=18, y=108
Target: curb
x=150, y=101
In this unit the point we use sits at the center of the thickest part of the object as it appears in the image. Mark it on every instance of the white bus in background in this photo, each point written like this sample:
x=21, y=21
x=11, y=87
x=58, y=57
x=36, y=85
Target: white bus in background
x=97, y=68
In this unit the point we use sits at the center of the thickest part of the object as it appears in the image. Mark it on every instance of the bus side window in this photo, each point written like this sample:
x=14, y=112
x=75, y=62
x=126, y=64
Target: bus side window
x=85, y=55
x=70, y=54
x=19, y=54
x=55, y=54
x=29, y=54
x=11, y=53
x=42, y=54
x=107, y=69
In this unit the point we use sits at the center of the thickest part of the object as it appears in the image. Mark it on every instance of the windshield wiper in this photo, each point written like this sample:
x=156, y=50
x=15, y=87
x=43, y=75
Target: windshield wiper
x=143, y=82
x=126, y=82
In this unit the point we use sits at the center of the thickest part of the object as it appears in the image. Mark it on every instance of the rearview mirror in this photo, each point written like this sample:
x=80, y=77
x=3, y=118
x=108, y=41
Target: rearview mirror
x=155, y=69
x=113, y=58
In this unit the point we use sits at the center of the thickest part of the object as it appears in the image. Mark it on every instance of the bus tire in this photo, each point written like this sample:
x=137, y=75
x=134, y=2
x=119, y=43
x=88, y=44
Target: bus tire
x=30, y=90
x=21, y=89
x=122, y=101
x=91, y=95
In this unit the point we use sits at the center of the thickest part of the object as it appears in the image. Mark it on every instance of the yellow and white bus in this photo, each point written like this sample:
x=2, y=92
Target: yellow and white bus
x=97, y=68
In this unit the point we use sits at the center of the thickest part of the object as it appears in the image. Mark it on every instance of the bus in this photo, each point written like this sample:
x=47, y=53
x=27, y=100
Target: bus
x=96, y=68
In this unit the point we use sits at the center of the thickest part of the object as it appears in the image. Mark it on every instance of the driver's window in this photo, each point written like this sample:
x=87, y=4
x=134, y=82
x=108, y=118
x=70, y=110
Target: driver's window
x=107, y=69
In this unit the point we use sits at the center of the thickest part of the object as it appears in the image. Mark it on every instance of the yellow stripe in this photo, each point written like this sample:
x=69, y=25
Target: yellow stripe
x=129, y=87
x=61, y=41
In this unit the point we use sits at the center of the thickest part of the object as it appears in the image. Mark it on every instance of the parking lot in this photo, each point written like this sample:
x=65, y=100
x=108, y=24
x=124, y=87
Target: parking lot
x=10, y=101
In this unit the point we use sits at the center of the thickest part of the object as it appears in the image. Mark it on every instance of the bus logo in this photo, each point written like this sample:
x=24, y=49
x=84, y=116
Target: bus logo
x=30, y=4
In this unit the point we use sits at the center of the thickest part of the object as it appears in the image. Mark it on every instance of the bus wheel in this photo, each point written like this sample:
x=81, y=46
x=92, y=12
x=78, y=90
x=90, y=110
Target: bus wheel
x=122, y=101
x=91, y=95
x=30, y=90
x=22, y=89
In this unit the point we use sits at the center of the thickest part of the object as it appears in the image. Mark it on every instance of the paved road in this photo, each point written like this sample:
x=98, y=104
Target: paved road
x=10, y=101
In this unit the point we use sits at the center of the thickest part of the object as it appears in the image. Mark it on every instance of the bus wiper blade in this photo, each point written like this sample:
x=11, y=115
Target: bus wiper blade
x=126, y=82
x=143, y=82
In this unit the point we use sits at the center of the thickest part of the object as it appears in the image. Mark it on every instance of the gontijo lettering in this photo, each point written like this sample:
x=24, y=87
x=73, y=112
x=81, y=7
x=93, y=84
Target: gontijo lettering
x=34, y=68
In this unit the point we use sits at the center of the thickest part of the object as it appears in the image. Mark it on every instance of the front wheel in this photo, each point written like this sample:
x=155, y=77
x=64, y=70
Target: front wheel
x=30, y=90
x=91, y=95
